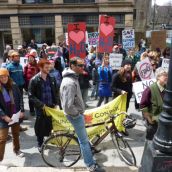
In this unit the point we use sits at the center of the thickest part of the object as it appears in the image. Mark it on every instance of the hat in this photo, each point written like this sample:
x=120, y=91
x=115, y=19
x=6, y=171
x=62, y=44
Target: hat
x=14, y=54
x=125, y=62
x=4, y=71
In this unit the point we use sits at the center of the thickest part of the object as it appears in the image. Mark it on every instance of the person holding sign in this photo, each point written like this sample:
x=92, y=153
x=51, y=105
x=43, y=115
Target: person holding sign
x=122, y=81
x=152, y=101
x=105, y=78
x=11, y=103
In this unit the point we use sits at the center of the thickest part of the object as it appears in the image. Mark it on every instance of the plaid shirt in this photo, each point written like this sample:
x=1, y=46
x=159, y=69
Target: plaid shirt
x=47, y=93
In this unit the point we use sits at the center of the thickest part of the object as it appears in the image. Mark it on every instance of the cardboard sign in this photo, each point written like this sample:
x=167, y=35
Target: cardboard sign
x=115, y=61
x=158, y=39
x=23, y=61
x=145, y=69
x=128, y=39
x=106, y=34
x=165, y=63
x=93, y=38
x=76, y=36
x=139, y=87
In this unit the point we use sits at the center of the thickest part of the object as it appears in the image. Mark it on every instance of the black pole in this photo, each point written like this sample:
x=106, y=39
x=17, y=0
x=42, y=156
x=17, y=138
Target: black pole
x=163, y=138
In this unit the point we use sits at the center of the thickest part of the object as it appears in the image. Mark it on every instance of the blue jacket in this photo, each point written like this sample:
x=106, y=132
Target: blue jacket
x=16, y=73
x=18, y=105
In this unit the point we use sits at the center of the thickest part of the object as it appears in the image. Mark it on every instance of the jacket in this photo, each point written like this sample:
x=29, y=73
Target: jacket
x=70, y=94
x=117, y=85
x=16, y=73
x=152, y=101
x=18, y=101
x=30, y=71
x=35, y=91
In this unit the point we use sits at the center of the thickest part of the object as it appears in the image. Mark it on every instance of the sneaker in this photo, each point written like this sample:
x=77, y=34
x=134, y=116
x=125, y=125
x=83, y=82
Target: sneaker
x=95, y=168
x=19, y=154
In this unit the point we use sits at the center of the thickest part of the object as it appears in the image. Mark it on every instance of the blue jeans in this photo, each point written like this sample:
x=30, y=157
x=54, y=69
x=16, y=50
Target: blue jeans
x=79, y=126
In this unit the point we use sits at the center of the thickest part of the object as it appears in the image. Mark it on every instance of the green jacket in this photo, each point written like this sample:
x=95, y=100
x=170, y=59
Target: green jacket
x=156, y=102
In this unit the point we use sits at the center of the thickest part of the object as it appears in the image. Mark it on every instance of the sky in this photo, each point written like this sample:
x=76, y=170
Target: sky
x=161, y=2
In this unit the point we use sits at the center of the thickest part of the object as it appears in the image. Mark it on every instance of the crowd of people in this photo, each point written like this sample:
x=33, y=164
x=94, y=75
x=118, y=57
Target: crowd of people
x=59, y=81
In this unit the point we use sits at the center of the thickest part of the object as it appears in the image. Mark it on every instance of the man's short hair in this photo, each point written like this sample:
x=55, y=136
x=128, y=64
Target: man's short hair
x=160, y=71
x=73, y=61
x=42, y=62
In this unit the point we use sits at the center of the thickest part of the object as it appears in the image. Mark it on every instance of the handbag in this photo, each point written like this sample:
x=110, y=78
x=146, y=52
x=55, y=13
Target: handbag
x=43, y=125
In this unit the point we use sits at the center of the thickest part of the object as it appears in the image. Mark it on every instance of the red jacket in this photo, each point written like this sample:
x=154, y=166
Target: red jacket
x=30, y=70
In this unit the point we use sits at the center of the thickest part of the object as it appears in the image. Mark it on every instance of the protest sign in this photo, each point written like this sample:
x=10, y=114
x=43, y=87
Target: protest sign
x=115, y=61
x=106, y=34
x=128, y=39
x=76, y=37
x=94, y=116
x=145, y=69
x=165, y=63
x=93, y=38
x=23, y=61
x=139, y=87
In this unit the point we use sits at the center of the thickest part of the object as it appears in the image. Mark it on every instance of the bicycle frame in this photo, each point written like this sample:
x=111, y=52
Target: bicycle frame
x=109, y=130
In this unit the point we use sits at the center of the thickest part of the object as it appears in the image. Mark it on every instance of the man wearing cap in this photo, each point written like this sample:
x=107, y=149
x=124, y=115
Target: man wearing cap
x=16, y=71
x=11, y=103
x=152, y=101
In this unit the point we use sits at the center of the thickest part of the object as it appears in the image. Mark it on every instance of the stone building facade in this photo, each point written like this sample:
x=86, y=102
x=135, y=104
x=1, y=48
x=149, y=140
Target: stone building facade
x=46, y=20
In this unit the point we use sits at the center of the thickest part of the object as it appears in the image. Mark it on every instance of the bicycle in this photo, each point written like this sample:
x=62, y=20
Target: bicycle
x=62, y=148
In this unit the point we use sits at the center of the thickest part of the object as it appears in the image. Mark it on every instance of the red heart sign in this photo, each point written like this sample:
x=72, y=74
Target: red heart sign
x=106, y=29
x=76, y=36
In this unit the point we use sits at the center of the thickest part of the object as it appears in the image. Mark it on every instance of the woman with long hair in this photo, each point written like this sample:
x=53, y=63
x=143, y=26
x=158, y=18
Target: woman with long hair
x=122, y=81
x=11, y=102
x=105, y=78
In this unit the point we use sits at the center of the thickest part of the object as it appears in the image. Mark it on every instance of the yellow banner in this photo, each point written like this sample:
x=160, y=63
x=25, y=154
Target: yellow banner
x=96, y=115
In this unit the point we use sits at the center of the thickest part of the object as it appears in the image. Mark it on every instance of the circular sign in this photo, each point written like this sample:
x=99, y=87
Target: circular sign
x=145, y=71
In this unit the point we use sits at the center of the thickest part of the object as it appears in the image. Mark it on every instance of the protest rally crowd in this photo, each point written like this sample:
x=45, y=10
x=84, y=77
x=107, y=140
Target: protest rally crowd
x=58, y=81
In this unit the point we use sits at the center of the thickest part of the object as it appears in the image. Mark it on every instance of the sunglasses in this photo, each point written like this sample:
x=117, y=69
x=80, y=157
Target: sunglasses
x=80, y=65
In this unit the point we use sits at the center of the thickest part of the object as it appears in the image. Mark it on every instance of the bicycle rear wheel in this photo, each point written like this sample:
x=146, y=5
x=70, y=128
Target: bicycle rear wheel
x=124, y=150
x=61, y=150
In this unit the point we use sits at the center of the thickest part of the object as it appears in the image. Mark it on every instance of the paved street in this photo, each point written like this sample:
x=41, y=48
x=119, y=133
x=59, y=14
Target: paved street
x=107, y=158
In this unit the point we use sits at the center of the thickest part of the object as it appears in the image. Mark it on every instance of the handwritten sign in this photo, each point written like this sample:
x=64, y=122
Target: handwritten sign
x=106, y=34
x=145, y=69
x=128, y=39
x=76, y=37
x=93, y=38
x=165, y=63
x=139, y=87
x=115, y=61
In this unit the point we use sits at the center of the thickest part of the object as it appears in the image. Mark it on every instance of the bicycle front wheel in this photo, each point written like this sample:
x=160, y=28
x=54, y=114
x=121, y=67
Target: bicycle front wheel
x=124, y=150
x=61, y=150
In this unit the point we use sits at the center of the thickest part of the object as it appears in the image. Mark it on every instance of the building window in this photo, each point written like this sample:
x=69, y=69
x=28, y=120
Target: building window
x=67, y=19
x=79, y=1
x=4, y=23
x=36, y=1
x=36, y=20
x=120, y=19
x=92, y=19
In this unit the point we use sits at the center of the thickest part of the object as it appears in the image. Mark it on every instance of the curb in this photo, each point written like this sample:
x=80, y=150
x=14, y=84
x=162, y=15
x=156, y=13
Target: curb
x=49, y=169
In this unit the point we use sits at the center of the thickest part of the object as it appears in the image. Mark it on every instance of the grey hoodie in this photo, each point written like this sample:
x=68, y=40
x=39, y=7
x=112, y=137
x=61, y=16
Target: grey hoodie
x=70, y=94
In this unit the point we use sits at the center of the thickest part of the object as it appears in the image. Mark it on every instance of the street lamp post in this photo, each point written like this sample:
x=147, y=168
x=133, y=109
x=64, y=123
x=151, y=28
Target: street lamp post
x=153, y=22
x=157, y=155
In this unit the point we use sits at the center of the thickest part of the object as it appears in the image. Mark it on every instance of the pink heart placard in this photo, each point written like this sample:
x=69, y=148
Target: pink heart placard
x=76, y=36
x=106, y=29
